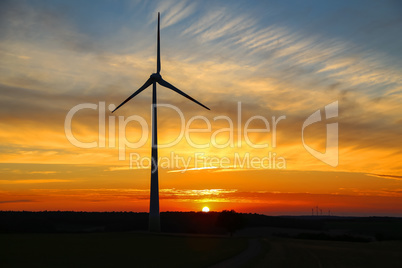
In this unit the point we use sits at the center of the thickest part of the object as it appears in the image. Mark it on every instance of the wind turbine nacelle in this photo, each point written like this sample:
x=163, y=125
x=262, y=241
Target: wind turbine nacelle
x=156, y=77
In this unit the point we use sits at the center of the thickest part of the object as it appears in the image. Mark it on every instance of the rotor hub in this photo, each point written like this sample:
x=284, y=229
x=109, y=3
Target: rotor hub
x=156, y=77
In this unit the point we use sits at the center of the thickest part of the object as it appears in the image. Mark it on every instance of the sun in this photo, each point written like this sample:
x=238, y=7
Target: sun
x=205, y=209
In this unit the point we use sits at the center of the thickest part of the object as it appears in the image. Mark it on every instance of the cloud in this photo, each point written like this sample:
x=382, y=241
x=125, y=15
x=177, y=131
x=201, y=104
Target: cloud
x=32, y=181
x=174, y=11
x=190, y=169
x=15, y=201
x=47, y=25
x=43, y=172
x=118, y=168
x=391, y=177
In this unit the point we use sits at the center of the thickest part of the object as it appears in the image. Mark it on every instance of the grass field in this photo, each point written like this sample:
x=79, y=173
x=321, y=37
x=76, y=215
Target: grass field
x=150, y=250
x=115, y=250
x=380, y=229
x=298, y=253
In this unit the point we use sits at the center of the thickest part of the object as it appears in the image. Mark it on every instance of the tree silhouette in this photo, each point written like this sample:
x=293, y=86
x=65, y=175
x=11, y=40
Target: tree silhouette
x=231, y=221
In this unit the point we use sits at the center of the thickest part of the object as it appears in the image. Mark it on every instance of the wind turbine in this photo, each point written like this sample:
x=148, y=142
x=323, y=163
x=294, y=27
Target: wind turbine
x=154, y=217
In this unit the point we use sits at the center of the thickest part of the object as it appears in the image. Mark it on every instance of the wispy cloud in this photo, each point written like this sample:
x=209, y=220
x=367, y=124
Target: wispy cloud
x=15, y=201
x=203, y=192
x=43, y=172
x=119, y=168
x=174, y=11
x=190, y=169
x=33, y=181
x=391, y=177
x=218, y=24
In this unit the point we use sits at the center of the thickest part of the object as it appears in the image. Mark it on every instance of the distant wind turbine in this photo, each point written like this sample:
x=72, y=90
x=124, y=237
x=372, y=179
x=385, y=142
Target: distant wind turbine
x=154, y=217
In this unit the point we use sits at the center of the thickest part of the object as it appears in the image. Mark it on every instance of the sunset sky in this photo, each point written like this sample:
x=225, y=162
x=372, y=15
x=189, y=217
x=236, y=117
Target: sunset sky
x=241, y=59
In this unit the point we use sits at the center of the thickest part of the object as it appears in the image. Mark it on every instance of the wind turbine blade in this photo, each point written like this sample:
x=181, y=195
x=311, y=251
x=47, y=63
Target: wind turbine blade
x=166, y=84
x=147, y=84
x=158, y=64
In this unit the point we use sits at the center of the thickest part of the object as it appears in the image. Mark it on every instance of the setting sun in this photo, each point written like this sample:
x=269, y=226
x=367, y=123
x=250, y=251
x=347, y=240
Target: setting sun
x=205, y=209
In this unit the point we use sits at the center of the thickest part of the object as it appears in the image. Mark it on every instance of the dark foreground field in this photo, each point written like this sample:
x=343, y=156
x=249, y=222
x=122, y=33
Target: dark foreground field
x=150, y=250
x=195, y=239
x=292, y=253
x=115, y=250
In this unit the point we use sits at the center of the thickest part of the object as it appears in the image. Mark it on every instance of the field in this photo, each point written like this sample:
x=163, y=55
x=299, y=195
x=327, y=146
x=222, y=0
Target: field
x=114, y=250
x=289, y=253
x=192, y=239
x=149, y=250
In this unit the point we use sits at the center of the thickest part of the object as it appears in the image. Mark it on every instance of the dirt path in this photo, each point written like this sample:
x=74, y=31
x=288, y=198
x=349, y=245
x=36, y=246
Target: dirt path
x=253, y=249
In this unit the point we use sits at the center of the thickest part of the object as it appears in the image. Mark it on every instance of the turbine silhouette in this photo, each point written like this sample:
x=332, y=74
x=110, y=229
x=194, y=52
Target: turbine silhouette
x=154, y=217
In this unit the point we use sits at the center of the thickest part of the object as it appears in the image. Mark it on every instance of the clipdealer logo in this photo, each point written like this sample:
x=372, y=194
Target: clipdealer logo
x=270, y=160
x=331, y=154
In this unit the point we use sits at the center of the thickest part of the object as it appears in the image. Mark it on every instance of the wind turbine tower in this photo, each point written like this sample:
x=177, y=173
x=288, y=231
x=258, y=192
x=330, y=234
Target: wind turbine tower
x=154, y=216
